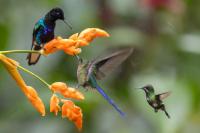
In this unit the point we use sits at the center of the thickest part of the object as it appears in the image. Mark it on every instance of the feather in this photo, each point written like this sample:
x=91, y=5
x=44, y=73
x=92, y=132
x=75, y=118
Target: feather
x=164, y=95
x=101, y=91
x=34, y=57
x=104, y=65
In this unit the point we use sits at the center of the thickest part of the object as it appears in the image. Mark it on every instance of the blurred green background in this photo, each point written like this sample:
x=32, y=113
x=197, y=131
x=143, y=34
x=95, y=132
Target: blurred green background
x=166, y=39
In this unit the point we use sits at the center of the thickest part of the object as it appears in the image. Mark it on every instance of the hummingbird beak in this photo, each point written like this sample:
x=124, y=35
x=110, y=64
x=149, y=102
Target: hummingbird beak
x=79, y=59
x=141, y=88
x=67, y=23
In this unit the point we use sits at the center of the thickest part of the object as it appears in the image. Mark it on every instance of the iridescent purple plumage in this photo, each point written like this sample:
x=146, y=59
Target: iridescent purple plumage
x=43, y=32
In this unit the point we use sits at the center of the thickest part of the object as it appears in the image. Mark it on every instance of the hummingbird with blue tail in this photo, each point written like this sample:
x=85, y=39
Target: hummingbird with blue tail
x=43, y=32
x=155, y=101
x=89, y=72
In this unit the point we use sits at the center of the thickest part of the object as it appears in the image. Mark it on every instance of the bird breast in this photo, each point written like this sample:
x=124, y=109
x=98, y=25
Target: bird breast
x=81, y=75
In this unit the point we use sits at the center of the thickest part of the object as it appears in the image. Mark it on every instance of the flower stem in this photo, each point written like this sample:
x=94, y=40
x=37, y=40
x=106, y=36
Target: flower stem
x=33, y=74
x=20, y=51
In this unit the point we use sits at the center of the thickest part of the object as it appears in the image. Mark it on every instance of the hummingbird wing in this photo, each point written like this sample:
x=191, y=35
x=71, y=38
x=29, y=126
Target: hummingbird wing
x=100, y=67
x=34, y=57
x=163, y=95
x=38, y=28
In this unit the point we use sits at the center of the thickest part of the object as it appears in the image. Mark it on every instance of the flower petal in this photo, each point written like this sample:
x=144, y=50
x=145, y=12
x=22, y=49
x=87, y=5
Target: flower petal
x=54, y=104
x=31, y=94
x=73, y=113
x=74, y=36
x=72, y=50
x=35, y=100
x=72, y=45
x=91, y=33
x=57, y=44
x=66, y=91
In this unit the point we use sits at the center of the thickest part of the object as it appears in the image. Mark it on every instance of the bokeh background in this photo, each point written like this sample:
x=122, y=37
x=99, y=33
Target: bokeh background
x=166, y=39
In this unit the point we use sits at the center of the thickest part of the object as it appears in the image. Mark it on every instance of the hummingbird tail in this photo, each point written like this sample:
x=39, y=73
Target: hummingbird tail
x=101, y=91
x=167, y=114
x=33, y=57
x=163, y=108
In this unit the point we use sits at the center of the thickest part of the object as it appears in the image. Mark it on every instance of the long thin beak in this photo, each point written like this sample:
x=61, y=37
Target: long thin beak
x=80, y=60
x=77, y=57
x=68, y=24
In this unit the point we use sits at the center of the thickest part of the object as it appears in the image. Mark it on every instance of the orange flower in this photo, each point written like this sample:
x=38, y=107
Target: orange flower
x=72, y=45
x=54, y=104
x=72, y=112
x=89, y=34
x=69, y=109
x=66, y=91
x=31, y=94
x=60, y=44
x=35, y=100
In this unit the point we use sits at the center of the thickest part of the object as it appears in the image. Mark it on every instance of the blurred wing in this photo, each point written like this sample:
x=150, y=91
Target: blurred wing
x=164, y=95
x=101, y=67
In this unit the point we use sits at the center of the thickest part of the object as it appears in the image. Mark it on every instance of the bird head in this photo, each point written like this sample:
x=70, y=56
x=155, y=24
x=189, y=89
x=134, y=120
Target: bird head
x=58, y=14
x=148, y=88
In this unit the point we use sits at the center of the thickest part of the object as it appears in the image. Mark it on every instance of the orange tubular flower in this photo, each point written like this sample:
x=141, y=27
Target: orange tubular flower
x=31, y=94
x=72, y=112
x=54, y=104
x=66, y=91
x=60, y=44
x=72, y=45
x=35, y=100
x=89, y=34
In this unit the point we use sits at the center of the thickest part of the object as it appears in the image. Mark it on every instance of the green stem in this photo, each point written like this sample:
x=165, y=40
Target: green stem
x=19, y=51
x=31, y=73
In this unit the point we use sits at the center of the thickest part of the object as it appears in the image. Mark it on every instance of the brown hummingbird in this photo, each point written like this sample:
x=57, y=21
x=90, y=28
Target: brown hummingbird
x=89, y=72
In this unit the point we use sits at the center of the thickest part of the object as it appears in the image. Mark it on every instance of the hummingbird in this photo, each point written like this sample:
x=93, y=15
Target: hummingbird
x=89, y=72
x=43, y=32
x=155, y=101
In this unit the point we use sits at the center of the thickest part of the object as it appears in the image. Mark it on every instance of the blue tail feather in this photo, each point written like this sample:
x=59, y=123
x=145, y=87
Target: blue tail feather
x=101, y=91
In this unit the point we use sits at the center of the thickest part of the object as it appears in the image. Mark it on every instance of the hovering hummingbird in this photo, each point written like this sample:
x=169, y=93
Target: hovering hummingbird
x=154, y=100
x=43, y=32
x=89, y=71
